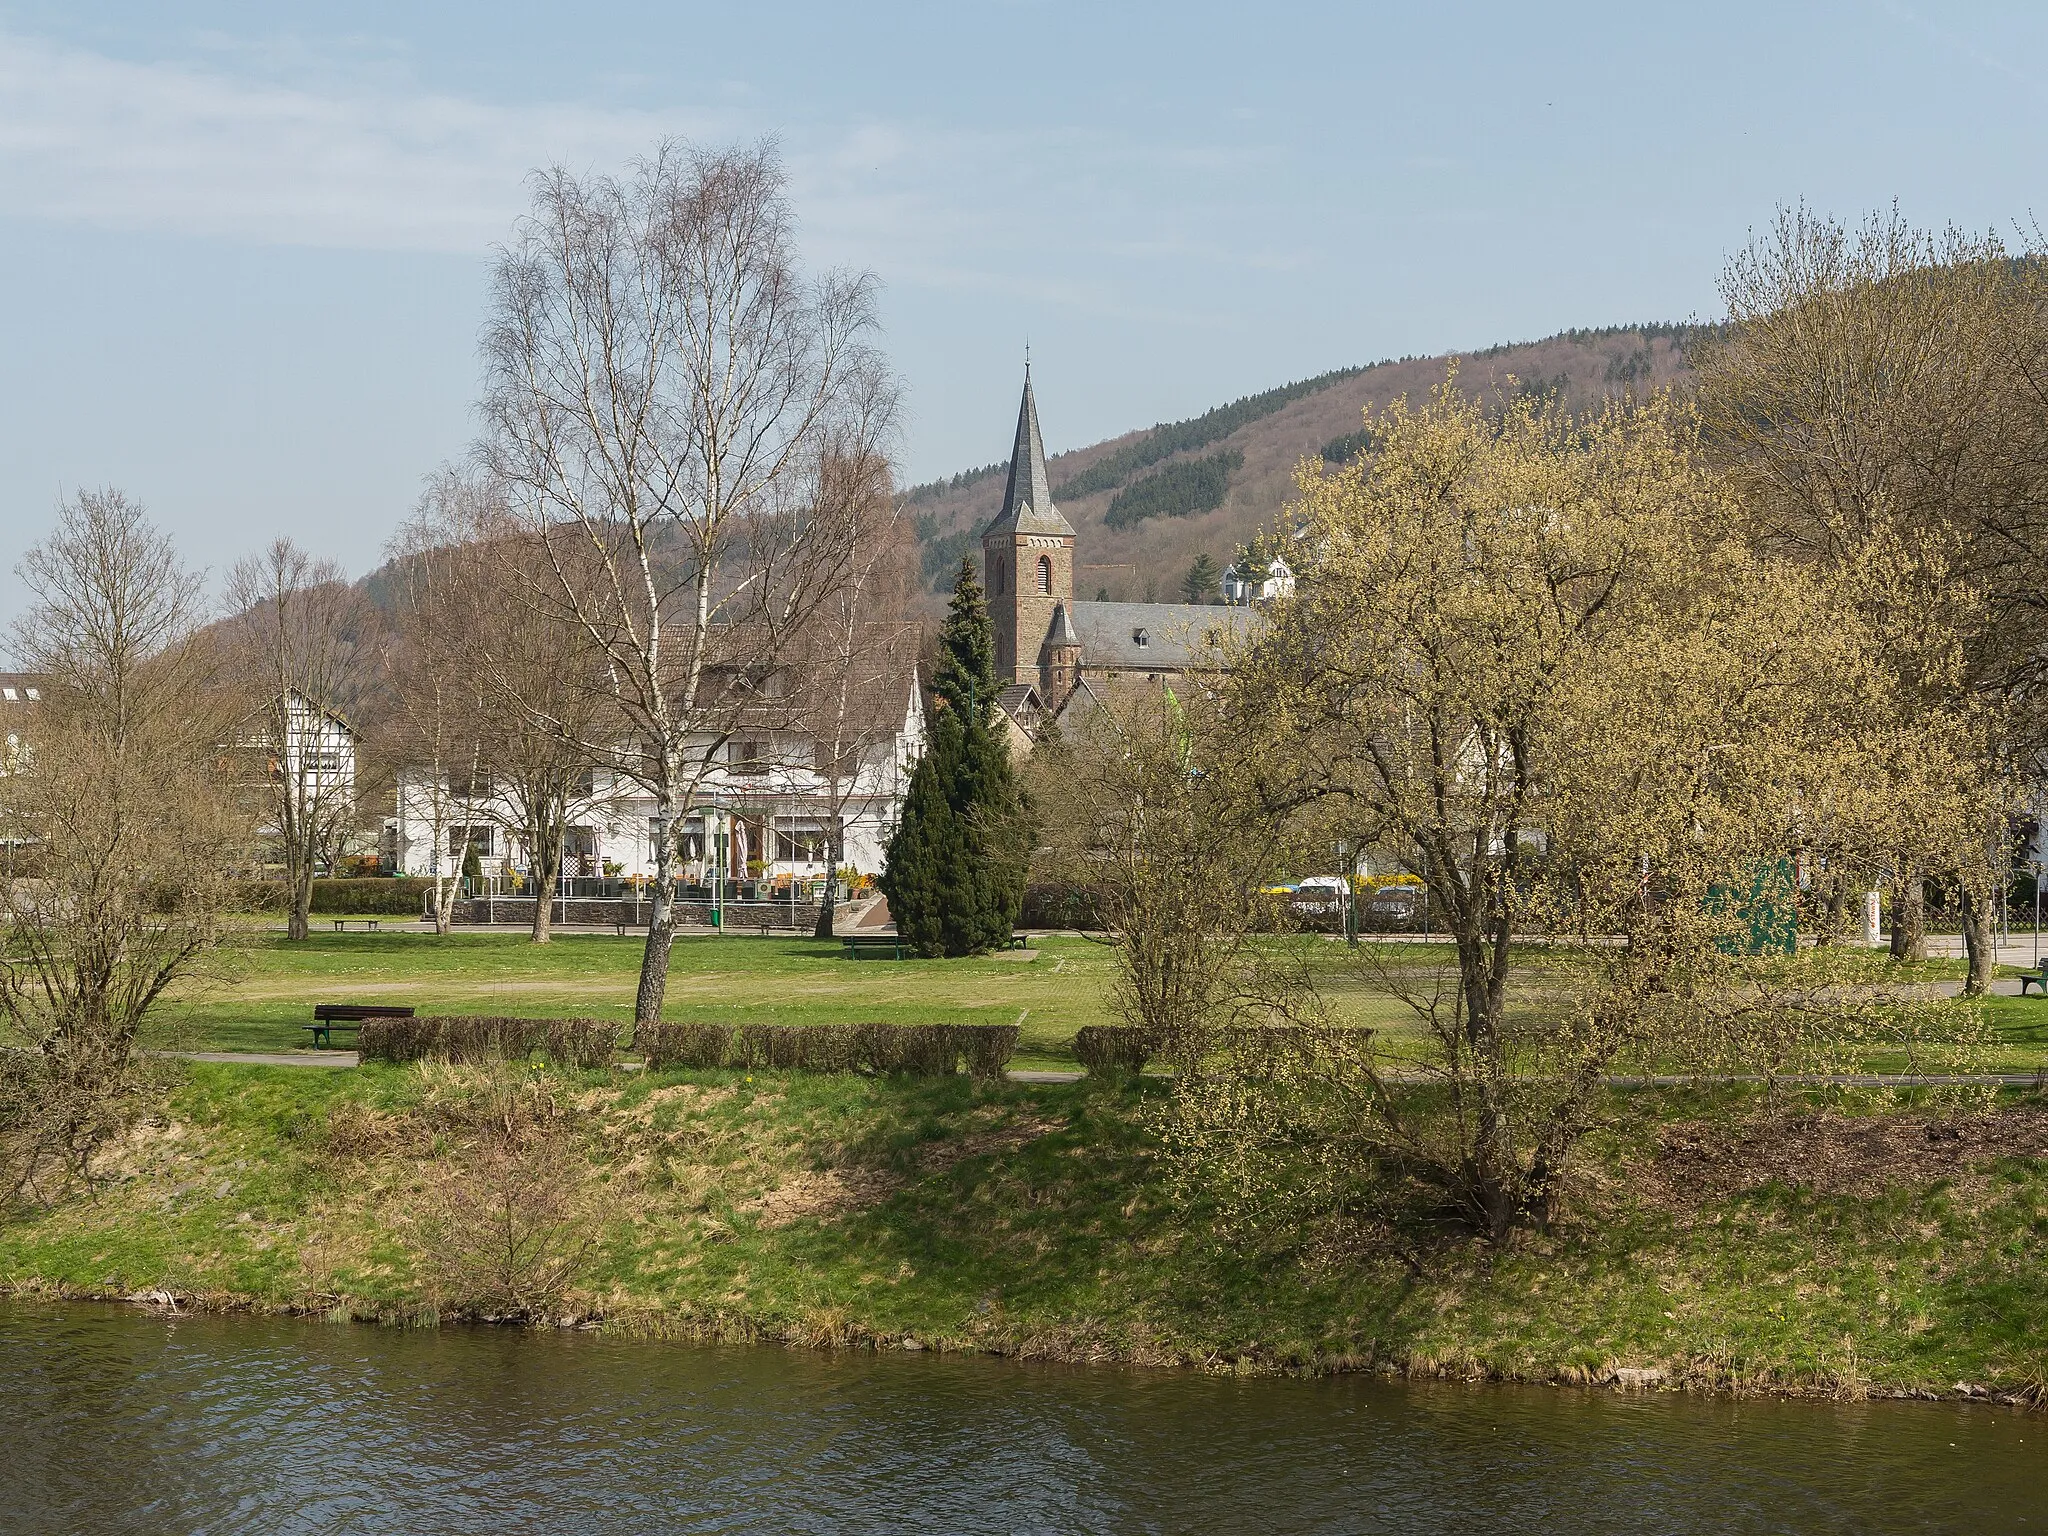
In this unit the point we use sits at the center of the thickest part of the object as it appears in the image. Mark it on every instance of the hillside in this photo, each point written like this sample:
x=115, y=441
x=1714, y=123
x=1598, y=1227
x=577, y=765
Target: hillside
x=1147, y=503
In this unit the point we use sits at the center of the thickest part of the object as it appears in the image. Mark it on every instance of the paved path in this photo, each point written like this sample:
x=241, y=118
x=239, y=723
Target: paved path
x=272, y=1058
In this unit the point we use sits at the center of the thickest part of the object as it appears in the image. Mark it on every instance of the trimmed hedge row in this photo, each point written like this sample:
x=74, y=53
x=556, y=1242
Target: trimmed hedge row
x=1112, y=1050
x=396, y=896
x=915, y=1050
x=565, y=1042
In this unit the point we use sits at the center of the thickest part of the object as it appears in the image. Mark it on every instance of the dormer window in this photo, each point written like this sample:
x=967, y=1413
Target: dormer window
x=1140, y=638
x=8, y=693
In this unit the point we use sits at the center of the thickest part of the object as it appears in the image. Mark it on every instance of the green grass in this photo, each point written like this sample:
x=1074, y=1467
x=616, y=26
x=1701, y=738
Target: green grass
x=1041, y=1221
x=270, y=985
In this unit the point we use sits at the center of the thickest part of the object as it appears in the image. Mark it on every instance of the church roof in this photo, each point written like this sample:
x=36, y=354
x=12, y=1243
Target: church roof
x=1153, y=636
x=1027, y=498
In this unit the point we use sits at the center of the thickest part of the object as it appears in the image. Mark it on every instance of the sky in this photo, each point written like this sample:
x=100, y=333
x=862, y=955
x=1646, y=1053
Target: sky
x=244, y=247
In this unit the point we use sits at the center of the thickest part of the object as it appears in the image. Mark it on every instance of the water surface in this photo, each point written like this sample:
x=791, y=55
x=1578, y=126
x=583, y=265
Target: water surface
x=116, y=1420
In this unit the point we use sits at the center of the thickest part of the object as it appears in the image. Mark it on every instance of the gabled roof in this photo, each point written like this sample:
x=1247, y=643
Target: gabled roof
x=1176, y=636
x=1027, y=498
x=1019, y=700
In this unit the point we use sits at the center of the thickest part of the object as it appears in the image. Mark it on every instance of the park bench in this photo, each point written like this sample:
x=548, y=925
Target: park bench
x=369, y=924
x=874, y=946
x=2034, y=979
x=328, y=1017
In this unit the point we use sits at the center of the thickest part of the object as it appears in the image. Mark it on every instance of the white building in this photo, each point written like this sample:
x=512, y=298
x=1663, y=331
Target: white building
x=763, y=813
x=1258, y=584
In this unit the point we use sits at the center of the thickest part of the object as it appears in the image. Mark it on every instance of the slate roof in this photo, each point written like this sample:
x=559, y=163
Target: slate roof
x=1062, y=632
x=1016, y=697
x=1176, y=635
x=1027, y=497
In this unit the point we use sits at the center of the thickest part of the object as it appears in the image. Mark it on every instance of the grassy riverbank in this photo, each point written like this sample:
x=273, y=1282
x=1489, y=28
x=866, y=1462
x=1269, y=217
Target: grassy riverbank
x=1841, y=1256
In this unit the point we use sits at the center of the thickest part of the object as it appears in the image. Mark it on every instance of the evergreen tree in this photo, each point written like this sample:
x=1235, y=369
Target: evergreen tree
x=1199, y=585
x=956, y=866
x=924, y=878
x=472, y=869
x=966, y=676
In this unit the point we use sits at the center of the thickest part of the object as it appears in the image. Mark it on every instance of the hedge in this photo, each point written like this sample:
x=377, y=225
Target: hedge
x=397, y=896
x=915, y=1050
x=1112, y=1050
x=565, y=1042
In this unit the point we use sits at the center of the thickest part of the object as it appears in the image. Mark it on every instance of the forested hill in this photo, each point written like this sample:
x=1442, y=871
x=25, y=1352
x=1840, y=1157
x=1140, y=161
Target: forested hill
x=1147, y=504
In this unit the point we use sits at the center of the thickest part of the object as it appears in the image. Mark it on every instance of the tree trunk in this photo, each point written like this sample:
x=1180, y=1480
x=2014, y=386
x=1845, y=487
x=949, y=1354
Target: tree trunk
x=444, y=905
x=547, y=872
x=661, y=928
x=1909, y=918
x=825, y=902
x=299, y=922
x=1980, y=943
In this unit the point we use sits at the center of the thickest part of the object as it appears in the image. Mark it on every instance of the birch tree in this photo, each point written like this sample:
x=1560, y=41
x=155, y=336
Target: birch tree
x=664, y=390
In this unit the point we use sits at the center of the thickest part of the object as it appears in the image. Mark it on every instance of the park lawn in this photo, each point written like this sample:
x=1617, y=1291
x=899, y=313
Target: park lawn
x=269, y=986
x=1043, y=1221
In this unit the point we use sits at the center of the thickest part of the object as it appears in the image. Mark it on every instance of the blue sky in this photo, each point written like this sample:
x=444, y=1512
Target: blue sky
x=243, y=247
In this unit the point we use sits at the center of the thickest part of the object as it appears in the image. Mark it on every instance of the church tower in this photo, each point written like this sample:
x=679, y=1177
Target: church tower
x=1027, y=554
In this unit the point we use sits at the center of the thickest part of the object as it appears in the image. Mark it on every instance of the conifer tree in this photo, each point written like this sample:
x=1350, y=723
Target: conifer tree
x=1199, y=584
x=965, y=678
x=955, y=873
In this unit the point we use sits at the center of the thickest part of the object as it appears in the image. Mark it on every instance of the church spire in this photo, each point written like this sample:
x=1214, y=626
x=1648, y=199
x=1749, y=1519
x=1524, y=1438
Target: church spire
x=1027, y=499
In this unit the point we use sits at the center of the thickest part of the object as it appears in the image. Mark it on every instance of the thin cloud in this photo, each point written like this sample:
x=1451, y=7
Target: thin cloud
x=171, y=147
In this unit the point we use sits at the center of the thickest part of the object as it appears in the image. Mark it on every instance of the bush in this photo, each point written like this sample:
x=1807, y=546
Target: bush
x=916, y=1050
x=988, y=1048
x=683, y=1045
x=1112, y=1050
x=580, y=1043
x=1060, y=906
x=394, y=896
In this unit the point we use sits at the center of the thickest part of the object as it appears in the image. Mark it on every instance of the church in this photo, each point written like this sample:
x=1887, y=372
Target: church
x=1057, y=655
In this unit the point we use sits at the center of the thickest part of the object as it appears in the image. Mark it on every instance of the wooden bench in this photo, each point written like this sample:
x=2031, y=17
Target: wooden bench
x=2034, y=979
x=874, y=946
x=328, y=1017
x=369, y=924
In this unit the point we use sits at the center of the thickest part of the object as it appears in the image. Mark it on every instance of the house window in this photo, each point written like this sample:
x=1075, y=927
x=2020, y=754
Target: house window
x=1140, y=638
x=1045, y=573
x=748, y=757
x=460, y=838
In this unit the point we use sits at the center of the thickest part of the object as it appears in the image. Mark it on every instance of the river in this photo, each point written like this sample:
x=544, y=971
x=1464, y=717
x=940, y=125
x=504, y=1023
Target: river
x=115, y=1420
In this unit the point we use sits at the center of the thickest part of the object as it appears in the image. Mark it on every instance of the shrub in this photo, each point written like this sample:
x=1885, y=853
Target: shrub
x=914, y=1050
x=683, y=1045
x=988, y=1048
x=1112, y=1050
x=581, y=1043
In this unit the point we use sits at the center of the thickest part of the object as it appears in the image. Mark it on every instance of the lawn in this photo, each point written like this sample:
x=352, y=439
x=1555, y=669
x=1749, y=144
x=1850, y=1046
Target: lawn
x=270, y=985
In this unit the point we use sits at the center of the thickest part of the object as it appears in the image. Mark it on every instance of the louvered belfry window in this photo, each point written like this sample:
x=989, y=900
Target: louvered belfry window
x=1045, y=573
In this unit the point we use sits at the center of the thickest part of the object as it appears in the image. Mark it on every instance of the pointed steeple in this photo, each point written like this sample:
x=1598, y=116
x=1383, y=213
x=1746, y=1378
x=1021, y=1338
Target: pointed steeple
x=1062, y=631
x=1027, y=499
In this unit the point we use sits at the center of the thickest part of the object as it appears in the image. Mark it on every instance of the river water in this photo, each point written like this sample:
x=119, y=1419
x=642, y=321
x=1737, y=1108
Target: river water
x=117, y=1420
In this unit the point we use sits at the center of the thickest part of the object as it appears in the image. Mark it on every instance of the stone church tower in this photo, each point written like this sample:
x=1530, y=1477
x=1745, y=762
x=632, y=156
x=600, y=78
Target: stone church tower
x=1027, y=554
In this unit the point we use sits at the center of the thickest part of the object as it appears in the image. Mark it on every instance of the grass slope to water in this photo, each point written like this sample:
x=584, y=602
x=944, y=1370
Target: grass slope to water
x=1824, y=1255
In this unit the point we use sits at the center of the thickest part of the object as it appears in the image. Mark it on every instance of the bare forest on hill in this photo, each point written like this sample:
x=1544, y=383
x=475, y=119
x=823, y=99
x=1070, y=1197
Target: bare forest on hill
x=1144, y=558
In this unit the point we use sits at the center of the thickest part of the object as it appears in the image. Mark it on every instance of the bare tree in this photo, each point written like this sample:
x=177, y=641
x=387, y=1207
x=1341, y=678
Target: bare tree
x=298, y=631
x=664, y=395
x=861, y=656
x=434, y=731
x=127, y=835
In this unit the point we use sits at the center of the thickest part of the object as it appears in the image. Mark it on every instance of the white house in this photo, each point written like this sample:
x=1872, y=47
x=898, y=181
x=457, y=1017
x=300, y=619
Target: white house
x=763, y=812
x=1244, y=585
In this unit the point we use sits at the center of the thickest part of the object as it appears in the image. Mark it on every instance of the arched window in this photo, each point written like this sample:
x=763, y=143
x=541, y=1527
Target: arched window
x=1045, y=573
x=997, y=573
